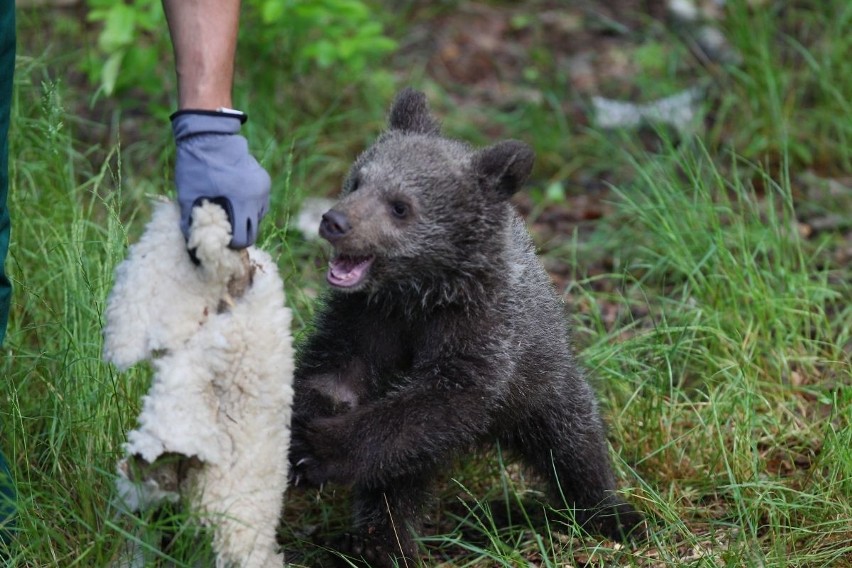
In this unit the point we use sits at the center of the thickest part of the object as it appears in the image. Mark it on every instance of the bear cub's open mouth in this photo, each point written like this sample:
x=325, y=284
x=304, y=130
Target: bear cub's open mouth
x=347, y=271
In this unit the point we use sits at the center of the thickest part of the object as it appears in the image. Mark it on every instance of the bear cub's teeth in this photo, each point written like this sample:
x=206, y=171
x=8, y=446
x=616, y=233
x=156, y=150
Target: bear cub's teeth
x=348, y=271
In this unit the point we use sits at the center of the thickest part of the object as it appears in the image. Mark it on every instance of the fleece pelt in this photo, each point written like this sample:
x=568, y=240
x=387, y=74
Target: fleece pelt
x=222, y=388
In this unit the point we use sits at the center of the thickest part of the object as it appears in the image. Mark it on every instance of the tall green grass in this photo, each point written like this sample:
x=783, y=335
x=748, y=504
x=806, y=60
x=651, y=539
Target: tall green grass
x=791, y=93
x=64, y=411
x=733, y=397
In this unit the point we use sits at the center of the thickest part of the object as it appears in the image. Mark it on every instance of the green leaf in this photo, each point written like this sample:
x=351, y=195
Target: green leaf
x=555, y=192
x=272, y=11
x=119, y=28
x=651, y=57
x=109, y=72
x=323, y=52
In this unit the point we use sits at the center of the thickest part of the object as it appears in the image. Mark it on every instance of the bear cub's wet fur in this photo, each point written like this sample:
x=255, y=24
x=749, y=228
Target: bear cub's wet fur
x=441, y=332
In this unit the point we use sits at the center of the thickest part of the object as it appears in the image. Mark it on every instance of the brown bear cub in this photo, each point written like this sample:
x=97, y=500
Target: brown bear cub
x=441, y=333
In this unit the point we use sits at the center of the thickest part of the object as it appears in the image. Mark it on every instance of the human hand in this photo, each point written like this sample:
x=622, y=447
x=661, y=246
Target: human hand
x=213, y=163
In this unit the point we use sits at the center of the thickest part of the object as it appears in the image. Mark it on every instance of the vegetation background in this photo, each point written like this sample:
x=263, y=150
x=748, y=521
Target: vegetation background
x=706, y=266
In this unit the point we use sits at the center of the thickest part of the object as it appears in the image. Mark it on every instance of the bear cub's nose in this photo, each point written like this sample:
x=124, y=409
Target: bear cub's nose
x=334, y=225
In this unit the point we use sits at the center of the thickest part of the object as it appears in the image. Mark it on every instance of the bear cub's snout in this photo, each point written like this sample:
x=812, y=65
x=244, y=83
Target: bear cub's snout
x=334, y=226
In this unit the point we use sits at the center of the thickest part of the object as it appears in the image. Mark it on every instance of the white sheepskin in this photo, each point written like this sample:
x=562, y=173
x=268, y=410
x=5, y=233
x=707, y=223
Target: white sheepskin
x=222, y=388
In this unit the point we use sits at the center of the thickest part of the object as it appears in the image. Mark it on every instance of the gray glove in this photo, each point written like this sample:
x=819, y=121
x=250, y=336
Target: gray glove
x=213, y=163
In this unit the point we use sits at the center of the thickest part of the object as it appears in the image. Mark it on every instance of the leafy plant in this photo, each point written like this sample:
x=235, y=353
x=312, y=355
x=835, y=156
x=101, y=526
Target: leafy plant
x=323, y=32
x=128, y=42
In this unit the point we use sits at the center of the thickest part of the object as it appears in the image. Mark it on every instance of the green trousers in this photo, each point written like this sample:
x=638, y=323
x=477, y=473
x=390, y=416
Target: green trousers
x=7, y=68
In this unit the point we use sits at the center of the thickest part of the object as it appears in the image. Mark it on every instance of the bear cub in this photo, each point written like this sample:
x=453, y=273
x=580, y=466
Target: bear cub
x=441, y=332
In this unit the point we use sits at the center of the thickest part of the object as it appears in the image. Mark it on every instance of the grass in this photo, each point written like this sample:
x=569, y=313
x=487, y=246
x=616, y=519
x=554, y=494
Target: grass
x=718, y=332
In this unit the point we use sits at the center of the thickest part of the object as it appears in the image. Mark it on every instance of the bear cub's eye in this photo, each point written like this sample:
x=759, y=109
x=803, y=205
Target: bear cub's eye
x=353, y=185
x=399, y=209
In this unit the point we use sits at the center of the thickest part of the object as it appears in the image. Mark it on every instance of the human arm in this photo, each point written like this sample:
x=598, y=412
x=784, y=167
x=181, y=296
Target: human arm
x=204, y=37
x=213, y=161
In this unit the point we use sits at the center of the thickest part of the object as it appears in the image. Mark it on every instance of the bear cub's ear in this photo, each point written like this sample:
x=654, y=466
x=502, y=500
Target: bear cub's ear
x=410, y=113
x=503, y=168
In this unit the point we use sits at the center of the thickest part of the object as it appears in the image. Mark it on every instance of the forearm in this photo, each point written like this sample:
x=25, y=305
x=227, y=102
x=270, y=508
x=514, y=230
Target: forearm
x=204, y=37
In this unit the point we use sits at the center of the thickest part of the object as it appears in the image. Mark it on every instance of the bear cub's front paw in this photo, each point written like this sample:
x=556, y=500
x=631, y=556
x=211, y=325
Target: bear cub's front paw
x=316, y=456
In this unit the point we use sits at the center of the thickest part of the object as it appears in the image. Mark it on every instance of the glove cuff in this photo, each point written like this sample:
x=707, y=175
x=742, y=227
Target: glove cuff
x=218, y=112
x=191, y=122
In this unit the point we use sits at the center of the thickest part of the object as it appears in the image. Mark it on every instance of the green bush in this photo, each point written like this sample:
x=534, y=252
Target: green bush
x=128, y=46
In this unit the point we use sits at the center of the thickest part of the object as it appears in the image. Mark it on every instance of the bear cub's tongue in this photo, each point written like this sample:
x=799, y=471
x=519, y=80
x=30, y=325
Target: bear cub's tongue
x=347, y=271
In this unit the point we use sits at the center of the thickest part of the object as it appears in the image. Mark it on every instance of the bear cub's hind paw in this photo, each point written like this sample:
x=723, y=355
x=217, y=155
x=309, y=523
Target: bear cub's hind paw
x=362, y=550
x=619, y=522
